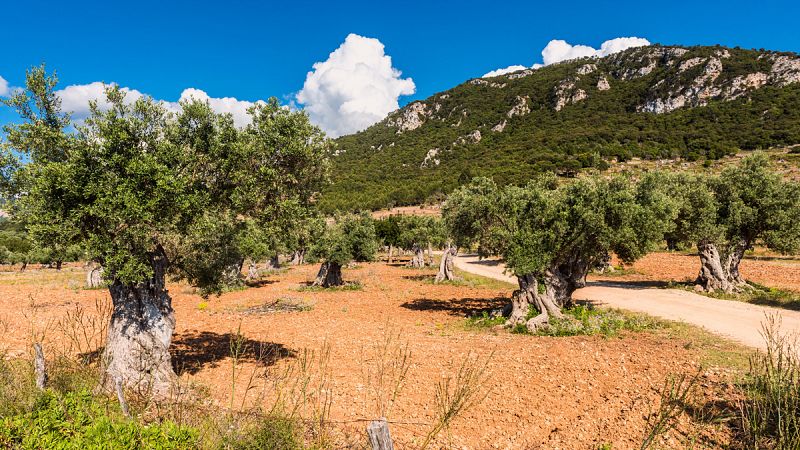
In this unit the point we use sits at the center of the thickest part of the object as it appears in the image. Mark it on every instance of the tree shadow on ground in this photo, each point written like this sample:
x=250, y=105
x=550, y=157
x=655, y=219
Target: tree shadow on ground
x=195, y=350
x=259, y=283
x=462, y=307
x=419, y=277
x=637, y=284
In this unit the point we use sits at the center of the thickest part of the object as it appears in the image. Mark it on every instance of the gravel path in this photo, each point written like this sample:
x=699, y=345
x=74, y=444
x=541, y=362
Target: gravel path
x=735, y=320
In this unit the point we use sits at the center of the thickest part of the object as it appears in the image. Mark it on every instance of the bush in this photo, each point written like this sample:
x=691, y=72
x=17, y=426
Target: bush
x=77, y=421
x=588, y=320
x=771, y=402
x=272, y=433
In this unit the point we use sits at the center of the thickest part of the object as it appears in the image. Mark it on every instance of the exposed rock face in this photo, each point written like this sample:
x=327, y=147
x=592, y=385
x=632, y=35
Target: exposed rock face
x=482, y=82
x=566, y=93
x=520, y=107
x=586, y=69
x=430, y=158
x=785, y=70
x=472, y=138
x=522, y=74
x=743, y=84
x=697, y=93
x=602, y=84
x=499, y=127
x=410, y=118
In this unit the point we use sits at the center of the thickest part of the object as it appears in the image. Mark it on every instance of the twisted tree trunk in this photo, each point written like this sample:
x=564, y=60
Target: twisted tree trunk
x=720, y=272
x=140, y=333
x=94, y=277
x=232, y=276
x=430, y=255
x=418, y=260
x=298, y=257
x=389, y=258
x=547, y=293
x=252, y=271
x=330, y=274
x=446, y=267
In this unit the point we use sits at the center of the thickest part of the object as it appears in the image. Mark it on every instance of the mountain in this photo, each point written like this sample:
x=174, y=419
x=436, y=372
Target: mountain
x=656, y=102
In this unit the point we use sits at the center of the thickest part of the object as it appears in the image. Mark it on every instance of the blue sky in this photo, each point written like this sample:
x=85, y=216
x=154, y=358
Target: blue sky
x=254, y=50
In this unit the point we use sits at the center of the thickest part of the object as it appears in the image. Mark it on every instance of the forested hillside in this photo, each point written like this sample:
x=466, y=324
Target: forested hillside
x=653, y=102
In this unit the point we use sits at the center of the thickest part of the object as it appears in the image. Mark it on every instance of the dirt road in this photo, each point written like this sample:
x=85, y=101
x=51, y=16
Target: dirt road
x=735, y=320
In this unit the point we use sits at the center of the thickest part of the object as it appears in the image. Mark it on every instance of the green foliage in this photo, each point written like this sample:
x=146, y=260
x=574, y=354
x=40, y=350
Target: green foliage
x=770, y=407
x=77, y=421
x=545, y=225
x=420, y=231
x=586, y=320
x=137, y=182
x=350, y=238
x=379, y=168
x=271, y=433
x=747, y=204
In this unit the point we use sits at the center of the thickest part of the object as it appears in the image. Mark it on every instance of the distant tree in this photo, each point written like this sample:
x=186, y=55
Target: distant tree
x=551, y=235
x=349, y=238
x=725, y=216
x=147, y=193
x=387, y=231
x=418, y=233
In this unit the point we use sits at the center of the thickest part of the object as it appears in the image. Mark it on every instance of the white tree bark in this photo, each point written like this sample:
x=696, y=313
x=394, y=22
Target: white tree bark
x=446, y=266
x=140, y=333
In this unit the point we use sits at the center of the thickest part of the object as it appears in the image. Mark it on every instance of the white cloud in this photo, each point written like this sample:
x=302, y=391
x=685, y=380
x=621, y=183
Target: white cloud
x=76, y=98
x=237, y=108
x=4, y=90
x=354, y=88
x=559, y=50
x=498, y=72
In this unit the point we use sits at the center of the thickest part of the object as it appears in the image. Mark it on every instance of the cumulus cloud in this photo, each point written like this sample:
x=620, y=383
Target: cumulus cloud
x=4, y=89
x=559, y=50
x=354, y=88
x=237, y=108
x=498, y=72
x=75, y=99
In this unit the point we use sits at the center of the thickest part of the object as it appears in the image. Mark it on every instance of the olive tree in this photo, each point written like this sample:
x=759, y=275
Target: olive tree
x=149, y=193
x=418, y=233
x=551, y=235
x=349, y=238
x=387, y=230
x=724, y=216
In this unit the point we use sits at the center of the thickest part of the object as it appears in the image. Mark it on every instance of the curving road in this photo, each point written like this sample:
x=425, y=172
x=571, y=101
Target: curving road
x=738, y=321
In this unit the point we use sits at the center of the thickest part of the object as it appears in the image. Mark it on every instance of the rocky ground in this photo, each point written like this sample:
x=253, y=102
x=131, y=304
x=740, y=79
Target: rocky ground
x=540, y=392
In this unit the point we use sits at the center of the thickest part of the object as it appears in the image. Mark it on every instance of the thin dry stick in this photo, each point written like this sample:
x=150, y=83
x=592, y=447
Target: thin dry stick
x=39, y=366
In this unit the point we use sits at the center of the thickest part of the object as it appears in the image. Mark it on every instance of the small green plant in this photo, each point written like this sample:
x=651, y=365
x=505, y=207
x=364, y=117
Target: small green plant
x=770, y=407
x=485, y=320
x=586, y=320
x=271, y=433
x=674, y=397
x=349, y=286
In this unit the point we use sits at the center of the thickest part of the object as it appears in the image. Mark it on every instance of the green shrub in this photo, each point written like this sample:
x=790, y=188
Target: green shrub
x=272, y=433
x=588, y=320
x=75, y=420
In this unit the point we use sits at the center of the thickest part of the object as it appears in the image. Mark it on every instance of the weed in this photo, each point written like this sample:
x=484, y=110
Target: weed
x=674, y=397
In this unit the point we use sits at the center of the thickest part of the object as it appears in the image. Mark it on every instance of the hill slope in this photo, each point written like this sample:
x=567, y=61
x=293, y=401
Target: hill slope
x=653, y=102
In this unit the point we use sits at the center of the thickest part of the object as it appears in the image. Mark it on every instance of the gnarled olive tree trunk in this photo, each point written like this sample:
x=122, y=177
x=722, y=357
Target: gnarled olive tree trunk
x=232, y=276
x=94, y=277
x=252, y=271
x=330, y=274
x=429, y=261
x=389, y=258
x=718, y=271
x=547, y=293
x=298, y=257
x=140, y=333
x=418, y=260
x=446, y=267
